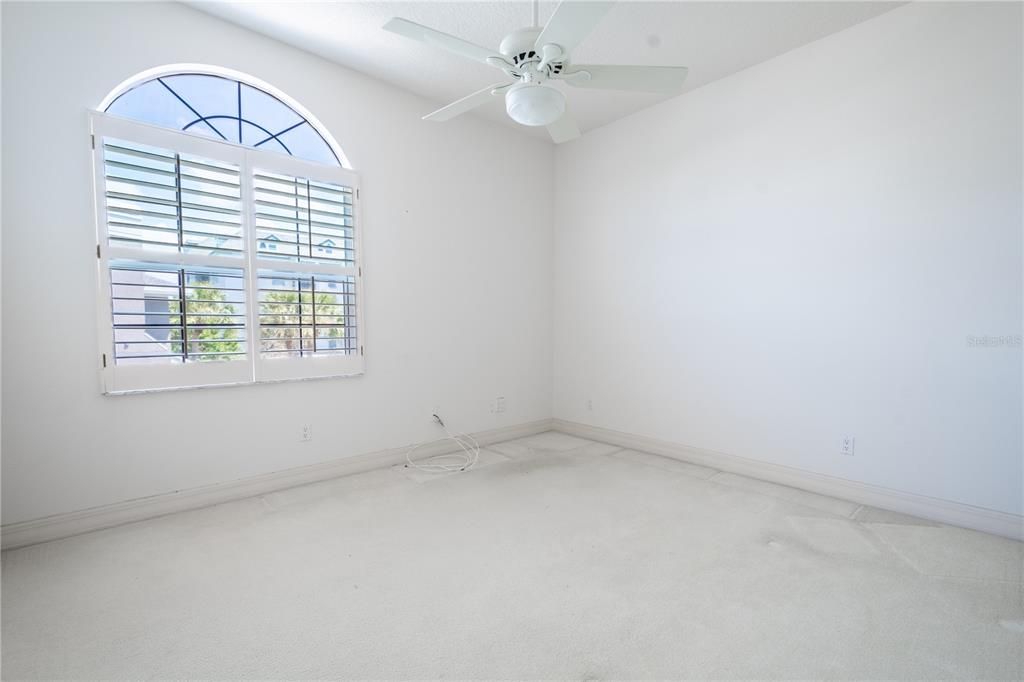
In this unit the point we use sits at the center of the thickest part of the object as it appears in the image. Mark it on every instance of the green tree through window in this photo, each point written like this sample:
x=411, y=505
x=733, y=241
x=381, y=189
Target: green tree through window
x=211, y=320
x=288, y=317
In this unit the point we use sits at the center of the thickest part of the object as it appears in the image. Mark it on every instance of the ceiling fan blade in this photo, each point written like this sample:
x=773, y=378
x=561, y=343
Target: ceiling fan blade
x=564, y=129
x=572, y=21
x=466, y=103
x=665, y=79
x=425, y=34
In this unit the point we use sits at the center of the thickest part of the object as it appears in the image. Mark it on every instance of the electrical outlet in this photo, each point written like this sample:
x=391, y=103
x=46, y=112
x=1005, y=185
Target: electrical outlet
x=846, y=446
x=590, y=406
x=307, y=432
x=499, y=404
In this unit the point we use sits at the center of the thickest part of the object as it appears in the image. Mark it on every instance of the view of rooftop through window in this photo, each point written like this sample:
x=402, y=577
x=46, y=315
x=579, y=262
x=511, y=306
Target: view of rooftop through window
x=224, y=109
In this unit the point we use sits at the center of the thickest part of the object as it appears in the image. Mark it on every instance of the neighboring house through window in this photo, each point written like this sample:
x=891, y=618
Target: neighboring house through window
x=325, y=247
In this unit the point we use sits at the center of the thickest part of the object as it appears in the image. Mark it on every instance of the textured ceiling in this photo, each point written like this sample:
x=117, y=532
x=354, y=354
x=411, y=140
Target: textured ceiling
x=713, y=39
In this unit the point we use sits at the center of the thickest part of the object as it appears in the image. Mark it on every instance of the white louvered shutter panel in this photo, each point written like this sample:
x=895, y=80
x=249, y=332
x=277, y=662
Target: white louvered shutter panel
x=307, y=277
x=174, y=272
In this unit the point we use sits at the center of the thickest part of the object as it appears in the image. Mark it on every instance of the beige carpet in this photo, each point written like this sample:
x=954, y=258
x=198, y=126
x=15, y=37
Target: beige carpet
x=557, y=558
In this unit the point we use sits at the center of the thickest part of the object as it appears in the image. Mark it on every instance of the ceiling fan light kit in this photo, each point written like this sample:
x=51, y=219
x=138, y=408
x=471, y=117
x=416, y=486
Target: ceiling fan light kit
x=534, y=105
x=532, y=56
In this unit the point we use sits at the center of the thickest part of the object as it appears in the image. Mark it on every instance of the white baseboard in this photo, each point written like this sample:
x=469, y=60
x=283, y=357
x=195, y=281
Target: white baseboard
x=944, y=511
x=931, y=508
x=74, y=523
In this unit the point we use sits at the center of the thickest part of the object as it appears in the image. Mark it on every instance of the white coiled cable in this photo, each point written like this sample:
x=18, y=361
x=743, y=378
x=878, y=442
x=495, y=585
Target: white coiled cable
x=452, y=461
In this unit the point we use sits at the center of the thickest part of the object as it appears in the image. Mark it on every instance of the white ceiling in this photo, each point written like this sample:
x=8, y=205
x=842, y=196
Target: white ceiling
x=714, y=39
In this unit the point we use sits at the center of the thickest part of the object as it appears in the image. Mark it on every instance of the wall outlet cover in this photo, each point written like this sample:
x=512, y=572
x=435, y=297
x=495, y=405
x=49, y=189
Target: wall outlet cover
x=846, y=445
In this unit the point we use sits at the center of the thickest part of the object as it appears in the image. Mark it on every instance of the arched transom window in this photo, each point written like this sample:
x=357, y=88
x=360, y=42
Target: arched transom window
x=224, y=109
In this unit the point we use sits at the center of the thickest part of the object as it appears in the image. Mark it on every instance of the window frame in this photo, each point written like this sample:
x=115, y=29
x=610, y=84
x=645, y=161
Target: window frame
x=254, y=369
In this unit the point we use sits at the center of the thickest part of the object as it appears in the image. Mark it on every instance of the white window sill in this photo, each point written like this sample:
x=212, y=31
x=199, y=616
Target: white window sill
x=236, y=384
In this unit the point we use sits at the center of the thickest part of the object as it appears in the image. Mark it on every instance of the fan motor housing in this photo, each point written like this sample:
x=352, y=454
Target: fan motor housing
x=518, y=47
x=518, y=43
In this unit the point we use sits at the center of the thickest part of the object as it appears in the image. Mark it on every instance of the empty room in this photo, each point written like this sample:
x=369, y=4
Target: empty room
x=512, y=340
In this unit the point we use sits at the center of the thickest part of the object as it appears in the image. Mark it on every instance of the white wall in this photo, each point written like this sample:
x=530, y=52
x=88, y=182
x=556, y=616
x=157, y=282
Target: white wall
x=457, y=293
x=791, y=254
x=801, y=250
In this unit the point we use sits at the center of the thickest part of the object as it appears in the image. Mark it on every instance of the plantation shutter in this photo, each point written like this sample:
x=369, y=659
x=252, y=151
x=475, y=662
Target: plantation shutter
x=307, y=283
x=220, y=264
x=162, y=200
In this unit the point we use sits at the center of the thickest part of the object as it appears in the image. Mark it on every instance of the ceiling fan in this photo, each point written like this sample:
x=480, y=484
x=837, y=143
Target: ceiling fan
x=532, y=56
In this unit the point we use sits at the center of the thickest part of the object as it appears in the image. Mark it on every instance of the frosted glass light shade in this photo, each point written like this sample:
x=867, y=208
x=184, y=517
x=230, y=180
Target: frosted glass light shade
x=534, y=105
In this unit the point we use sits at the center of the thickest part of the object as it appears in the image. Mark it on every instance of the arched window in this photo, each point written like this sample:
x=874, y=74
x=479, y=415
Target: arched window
x=223, y=108
x=227, y=235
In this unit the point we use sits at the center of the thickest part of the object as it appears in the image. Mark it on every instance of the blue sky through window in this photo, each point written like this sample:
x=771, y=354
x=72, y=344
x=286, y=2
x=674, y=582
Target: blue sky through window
x=224, y=109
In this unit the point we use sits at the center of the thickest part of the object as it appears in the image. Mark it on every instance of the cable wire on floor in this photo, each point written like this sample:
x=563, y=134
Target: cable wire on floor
x=448, y=462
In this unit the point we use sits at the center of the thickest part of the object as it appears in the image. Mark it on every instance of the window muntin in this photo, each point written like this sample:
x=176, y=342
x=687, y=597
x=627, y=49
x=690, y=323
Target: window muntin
x=224, y=109
x=177, y=218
